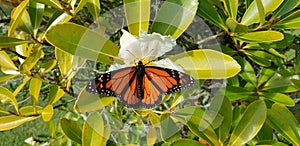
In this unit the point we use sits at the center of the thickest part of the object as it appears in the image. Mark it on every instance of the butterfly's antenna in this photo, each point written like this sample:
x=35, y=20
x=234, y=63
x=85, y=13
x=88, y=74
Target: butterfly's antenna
x=148, y=56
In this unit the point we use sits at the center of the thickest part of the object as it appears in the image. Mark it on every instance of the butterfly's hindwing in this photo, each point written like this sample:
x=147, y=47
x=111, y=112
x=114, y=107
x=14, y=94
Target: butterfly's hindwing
x=140, y=86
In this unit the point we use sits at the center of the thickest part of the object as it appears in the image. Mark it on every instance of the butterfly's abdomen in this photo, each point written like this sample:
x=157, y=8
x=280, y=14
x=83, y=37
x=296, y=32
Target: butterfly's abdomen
x=140, y=75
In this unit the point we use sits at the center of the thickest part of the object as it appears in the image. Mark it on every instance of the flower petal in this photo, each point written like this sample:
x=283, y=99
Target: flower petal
x=155, y=45
x=167, y=63
x=130, y=49
x=117, y=66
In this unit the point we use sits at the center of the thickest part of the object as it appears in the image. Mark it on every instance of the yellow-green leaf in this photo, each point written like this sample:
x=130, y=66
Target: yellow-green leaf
x=80, y=41
x=250, y=16
x=87, y=102
x=6, y=62
x=25, y=23
x=231, y=7
x=174, y=17
x=250, y=124
x=52, y=3
x=94, y=8
x=207, y=64
x=235, y=26
x=137, y=15
x=55, y=94
x=34, y=89
x=36, y=11
x=20, y=87
x=95, y=132
x=47, y=113
x=261, y=36
x=31, y=61
x=290, y=22
x=152, y=136
x=5, y=93
x=16, y=17
x=30, y=110
x=10, y=122
x=6, y=78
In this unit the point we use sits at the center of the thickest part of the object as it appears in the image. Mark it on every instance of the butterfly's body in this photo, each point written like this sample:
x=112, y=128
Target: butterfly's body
x=140, y=85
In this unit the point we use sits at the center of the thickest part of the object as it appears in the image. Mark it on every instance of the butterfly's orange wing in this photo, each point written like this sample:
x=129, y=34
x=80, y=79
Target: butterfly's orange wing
x=156, y=82
x=160, y=81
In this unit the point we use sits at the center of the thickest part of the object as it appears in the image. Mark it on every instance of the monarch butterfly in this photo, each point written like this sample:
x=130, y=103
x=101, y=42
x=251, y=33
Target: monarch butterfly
x=140, y=86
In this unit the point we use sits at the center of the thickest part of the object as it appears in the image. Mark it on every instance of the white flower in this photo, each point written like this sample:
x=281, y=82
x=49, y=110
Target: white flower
x=146, y=49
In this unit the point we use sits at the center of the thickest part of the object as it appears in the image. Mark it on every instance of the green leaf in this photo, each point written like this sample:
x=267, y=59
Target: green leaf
x=55, y=94
x=231, y=7
x=261, y=11
x=16, y=17
x=283, y=127
x=95, y=132
x=297, y=65
x=80, y=5
x=6, y=62
x=296, y=82
x=250, y=16
x=261, y=36
x=71, y=130
x=5, y=93
x=52, y=3
x=58, y=18
x=172, y=17
x=207, y=11
x=226, y=111
x=10, y=122
x=34, y=89
x=279, y=98
x=186, y=142
x=247, y=72
x=36, y=11
x=279, y=83
x=285, y=7
x=137, y=15
x=94, y=8
x=290, y=22
x=25, y=23
x=260, y=57
x=237, y=93
x=265, y=75
x=270, y=143
x=80, y=41
x=49, y=65
x=11, y=42
x=207, y=64
x=235, y=26
x=250, y=124
x=87, y=102
x=202, y=129
x=47, y=113
x=168, y=127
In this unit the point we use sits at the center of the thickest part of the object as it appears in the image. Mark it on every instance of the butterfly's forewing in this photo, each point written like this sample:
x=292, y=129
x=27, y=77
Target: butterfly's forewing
x=164, y=81
x=119, y=83
x=156, y=82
